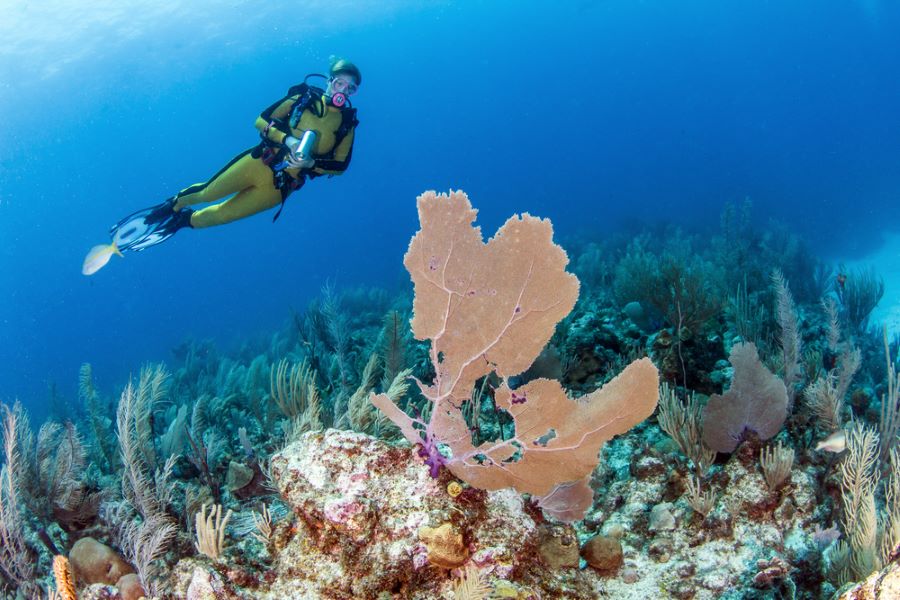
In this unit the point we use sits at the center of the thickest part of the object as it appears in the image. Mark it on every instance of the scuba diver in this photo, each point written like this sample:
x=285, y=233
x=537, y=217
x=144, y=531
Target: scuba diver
x=306, y=134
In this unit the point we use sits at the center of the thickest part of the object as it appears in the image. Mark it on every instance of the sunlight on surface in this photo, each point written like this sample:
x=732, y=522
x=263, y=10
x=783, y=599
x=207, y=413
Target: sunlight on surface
x=41, y=39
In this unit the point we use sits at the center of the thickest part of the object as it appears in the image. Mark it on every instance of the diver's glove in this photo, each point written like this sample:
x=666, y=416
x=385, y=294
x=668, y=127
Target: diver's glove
x=293, y=159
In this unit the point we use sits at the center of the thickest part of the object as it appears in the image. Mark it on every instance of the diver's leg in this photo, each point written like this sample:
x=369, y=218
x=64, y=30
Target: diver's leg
x=242, y=172
x=249, y=179
x=247, y=202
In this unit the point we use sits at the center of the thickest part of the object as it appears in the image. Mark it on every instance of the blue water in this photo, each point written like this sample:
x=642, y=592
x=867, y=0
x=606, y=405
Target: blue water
x=598, y=115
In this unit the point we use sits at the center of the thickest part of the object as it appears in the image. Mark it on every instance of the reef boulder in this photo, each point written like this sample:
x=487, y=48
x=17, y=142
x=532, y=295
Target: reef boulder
x=880, y=585
x=375, y=512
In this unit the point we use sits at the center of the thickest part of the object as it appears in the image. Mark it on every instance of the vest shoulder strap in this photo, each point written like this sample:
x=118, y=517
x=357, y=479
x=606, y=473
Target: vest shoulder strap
x=348, y=122
x=306, y=96
x=298, y=89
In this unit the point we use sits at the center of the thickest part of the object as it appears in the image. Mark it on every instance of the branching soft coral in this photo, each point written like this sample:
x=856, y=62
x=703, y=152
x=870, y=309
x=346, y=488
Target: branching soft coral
x=492, y=308
x=17, y=561
x=145, y=491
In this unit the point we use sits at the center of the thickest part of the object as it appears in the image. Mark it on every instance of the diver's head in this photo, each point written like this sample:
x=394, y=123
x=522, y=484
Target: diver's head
x=344, y=80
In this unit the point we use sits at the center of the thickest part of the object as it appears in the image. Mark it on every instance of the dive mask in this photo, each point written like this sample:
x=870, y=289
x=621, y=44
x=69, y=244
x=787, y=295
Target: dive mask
x=341, y=89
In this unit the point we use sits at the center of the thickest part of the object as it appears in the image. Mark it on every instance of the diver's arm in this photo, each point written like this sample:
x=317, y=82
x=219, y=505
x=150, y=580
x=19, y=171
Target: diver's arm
x=272, y=122
x=341, y=160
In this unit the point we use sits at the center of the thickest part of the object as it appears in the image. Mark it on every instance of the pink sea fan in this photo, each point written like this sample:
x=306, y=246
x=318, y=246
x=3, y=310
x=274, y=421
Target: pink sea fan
x=756, y=401
x=491, y=308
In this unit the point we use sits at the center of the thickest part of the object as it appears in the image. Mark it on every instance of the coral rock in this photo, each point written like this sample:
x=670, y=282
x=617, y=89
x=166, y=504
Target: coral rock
x=204, y=586
x=660, y=550
x=94, y=562
x=445, y=546
x=630, y=576
x=99, y=591
x=881, y=585
x=559, y=546
x=603, y=553
x=770, y=571
x=661, y=518
x=648, y=466
x=361, y=505
x=130, y=587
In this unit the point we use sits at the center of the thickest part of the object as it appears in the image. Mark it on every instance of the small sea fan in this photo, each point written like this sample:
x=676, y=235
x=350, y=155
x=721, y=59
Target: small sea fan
x=757, y=401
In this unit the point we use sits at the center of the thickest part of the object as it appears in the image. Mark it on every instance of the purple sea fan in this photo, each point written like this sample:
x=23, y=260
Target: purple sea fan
x=756, y=401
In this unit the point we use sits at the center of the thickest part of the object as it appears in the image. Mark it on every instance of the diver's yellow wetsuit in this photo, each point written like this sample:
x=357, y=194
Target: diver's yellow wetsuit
x=250, y=176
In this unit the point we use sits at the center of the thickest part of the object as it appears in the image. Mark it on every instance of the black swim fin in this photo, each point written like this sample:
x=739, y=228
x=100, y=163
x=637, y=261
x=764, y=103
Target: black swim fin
x=149, y=226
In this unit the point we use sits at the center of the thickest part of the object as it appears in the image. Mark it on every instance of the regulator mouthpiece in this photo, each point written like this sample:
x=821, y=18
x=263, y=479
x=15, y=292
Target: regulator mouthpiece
x=338, y=99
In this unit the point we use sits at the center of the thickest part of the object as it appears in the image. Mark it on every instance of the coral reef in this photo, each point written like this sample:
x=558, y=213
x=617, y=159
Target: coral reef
x=491, y=436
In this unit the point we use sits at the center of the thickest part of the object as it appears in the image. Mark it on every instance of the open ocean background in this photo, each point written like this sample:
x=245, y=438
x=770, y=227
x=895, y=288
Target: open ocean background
x=605, y=116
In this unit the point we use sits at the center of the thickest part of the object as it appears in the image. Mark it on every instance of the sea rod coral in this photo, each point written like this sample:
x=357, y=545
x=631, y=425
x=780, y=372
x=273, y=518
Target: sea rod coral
x=491, y=308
